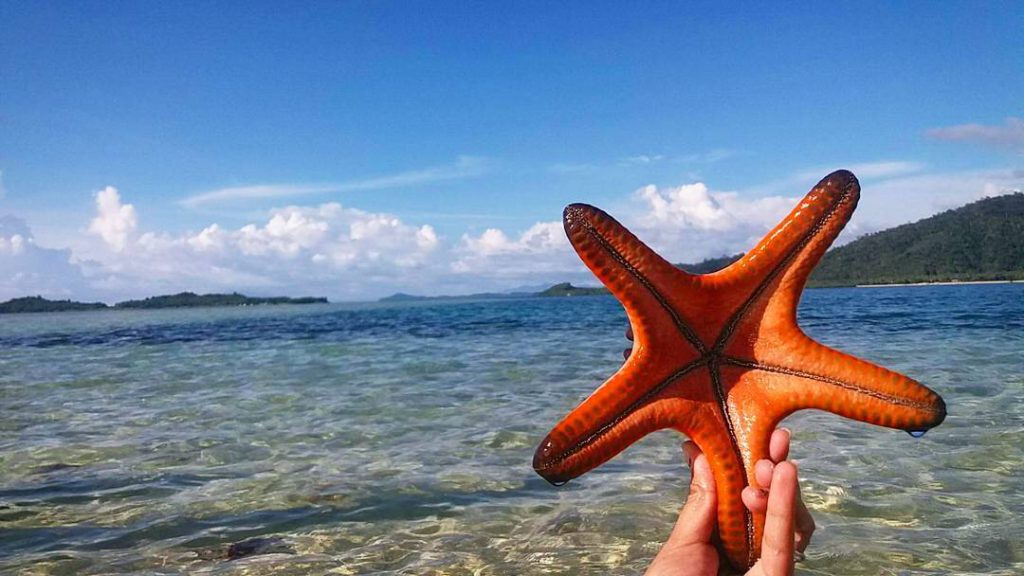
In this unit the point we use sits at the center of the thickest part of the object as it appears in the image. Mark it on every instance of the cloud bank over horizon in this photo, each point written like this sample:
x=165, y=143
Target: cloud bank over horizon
x=1008, y=136
x=346, y=253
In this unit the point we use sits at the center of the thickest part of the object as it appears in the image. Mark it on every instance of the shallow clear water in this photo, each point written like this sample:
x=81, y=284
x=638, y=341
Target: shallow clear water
x=398, y=439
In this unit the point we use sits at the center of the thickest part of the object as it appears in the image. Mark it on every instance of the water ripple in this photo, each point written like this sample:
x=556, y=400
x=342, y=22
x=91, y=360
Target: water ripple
x=381, y=439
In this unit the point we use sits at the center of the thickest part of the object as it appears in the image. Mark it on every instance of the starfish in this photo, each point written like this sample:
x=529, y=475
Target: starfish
x=720, y=358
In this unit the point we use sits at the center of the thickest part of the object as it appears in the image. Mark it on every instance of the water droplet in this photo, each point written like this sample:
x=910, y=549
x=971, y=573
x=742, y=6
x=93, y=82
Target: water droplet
x=916, y=433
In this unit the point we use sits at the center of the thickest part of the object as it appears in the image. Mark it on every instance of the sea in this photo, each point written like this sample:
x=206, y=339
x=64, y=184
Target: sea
x=397, y=439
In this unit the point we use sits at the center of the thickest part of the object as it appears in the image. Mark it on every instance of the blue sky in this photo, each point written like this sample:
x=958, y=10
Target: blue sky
x=430, y=148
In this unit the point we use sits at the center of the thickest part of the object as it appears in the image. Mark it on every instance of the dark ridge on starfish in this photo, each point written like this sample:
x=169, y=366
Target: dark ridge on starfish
x=726, y=334
x=575, y=209
x=941, y=409
x=622, y=415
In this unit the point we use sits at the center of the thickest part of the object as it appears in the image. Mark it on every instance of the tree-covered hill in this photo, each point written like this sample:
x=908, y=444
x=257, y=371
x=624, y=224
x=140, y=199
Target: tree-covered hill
x=192, y=300
x=182, y=300
x=980, y=241
x=567, y=289
x=710, y=265
x=40, y=304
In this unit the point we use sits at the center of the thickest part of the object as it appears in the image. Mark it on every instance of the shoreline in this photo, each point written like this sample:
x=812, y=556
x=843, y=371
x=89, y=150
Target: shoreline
x=944, y=283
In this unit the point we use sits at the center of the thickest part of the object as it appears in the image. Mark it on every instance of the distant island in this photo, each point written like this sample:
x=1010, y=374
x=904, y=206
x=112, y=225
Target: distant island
x=567, y=289
x=981, y=241
x=192, y=300
x=403, y=297
x=563, y=288
x=180, y=300
x=40, y=304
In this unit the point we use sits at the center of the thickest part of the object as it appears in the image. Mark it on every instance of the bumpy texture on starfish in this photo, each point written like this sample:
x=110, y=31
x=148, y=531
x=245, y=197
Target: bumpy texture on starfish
x=720, y=358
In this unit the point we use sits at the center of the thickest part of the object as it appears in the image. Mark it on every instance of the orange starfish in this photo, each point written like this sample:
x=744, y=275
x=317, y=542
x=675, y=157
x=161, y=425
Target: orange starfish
x=720, y=358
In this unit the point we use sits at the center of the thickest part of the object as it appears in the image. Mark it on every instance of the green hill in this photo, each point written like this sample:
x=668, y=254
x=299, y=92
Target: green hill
x=567, y=289
x=710, y=265
x=182, y=300
x=40, y=304
x=192, y=300
x=980, y=241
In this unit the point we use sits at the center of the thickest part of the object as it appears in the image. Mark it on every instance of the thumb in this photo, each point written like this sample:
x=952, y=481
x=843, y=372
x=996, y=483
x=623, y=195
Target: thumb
x=697, y=519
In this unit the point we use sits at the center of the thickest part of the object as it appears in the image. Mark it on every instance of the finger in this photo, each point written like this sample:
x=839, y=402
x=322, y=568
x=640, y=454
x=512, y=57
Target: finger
x=778, y=447
x=778, y=541
x=691, y=451
x=804, y=522
x=763, y=473
x=697, y=520
x=755, y=499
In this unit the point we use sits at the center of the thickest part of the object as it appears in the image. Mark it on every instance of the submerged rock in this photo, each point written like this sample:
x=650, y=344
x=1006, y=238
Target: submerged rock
x=56, y=467
x=258, y=545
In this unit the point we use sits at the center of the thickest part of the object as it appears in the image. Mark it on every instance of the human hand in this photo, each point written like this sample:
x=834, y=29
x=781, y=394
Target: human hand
x=788, y=525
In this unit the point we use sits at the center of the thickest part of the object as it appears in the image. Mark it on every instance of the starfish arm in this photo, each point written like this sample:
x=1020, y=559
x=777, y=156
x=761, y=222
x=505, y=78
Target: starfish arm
x=741, y=531
x=638, y=277
x=813, y=224
x=634, y=402
x=734, y=522
x=760, y=397
x=778, y=267
x=804, y=374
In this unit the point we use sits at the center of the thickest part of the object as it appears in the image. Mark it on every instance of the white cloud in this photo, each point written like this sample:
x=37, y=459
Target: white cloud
x=899, y=200
x=464, y=167
x=685, y=224
x=882, y=169
x=326, y=249
x=691, y=222
x=1009, y=135
x=114, y=222
x=27, y=269
x=346, y=253
x=536, y=254
x=801, y=180
x=493, y=260
x=638, y=161
x=709, y=157
x=642, y=159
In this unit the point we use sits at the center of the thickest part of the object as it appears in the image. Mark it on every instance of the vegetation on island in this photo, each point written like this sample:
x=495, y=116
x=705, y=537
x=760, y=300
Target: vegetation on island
x=983, y=240
x=710, y=265
x=403, y=297
x=567, y=289
x=181, y=300
x=40, y=304
x=191, y=300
